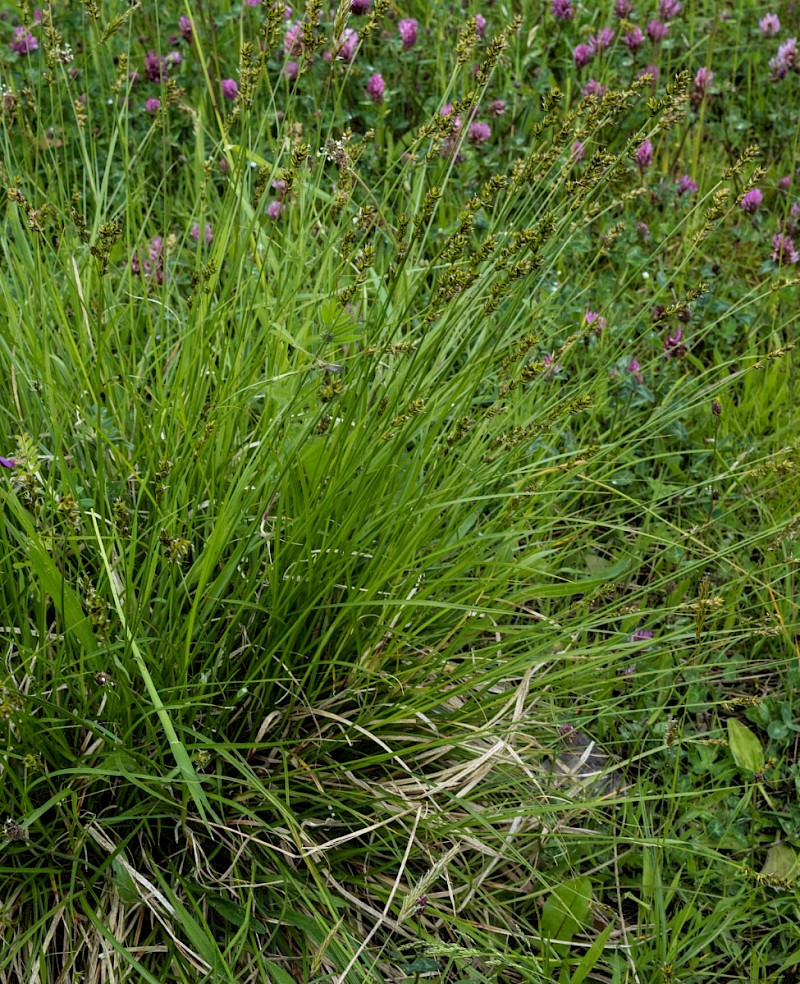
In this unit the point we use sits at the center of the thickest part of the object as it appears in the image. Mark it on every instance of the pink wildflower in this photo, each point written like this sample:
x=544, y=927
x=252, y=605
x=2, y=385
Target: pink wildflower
x=408, y=32
x=376, y=87
x=347, y=44
x=657, y=31
x=562, y=10
x=209, y=235
x=24, y=42
x=751, y=201
x=644, y=154
x=783, y=249
x=633, y=39
x=479, y=133
x=769, y=25
x=582, y=54
x=230, y=89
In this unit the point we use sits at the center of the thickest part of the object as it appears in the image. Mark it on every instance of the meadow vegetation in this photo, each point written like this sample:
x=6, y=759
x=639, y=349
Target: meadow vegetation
x=399, y=491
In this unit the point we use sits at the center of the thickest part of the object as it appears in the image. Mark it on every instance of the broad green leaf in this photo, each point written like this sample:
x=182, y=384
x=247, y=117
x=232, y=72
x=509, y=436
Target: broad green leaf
x=566, y=909
x=782, y=862
x=745, y=746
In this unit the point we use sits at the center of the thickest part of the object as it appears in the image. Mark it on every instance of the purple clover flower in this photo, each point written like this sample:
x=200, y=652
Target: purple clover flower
x=479, y=133
x=601, y=41
x=152, y=105
x=291, y=70
x=622, y=8
x=785, y=60
x=684, y=185
x=209, y=234
x=644, y=154
x=497, y=108
x=633, y=368
x=641, y=635
x=293, y=39
x=751, y=201
x=783, y=249
x=578, y=151
x=230, y=89
x=657, y=31
x=596, y=319
x=24, y=42
x=275, y=209
x=347, y=44
x=703, y=79
x=769, y=25
x=376, y=87
x=480, y=25
x=633, y=39
x=359, y=6
x=667, y=9
x=562, y=10
x=582, y=54
x=593, y=88
x=408, y=32
x=155, y=67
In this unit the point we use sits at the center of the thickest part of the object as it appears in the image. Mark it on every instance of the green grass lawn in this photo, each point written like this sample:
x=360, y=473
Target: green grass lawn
x=399, y=492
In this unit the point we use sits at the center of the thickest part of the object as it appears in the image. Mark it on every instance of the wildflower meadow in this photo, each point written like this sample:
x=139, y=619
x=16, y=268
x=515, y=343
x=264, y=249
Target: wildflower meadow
x=399, y=500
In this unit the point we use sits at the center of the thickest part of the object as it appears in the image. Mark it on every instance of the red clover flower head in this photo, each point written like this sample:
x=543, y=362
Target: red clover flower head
x=684, y=185
x=633, y=368
x=359, y=6
x=154, y=66
x=593, y=318
x=785, y=182
x=376, y=87
x=593, y=88
x=769, y=25
x=582, y=54
x=290, y=70
x=633, y=39
x=347, y=45
x=479, y=133
x=480, y=25
x=230, y=89
x=497, y=108
x=562, y=10
x=209, y=235
x=623, y=8
x=24, y=42
x=293, y=39
x=783, y=249
x=275, y=209
x=751, y=201
x=703, y=79
x=578, y=151
x=657, y=30
x=644, y=154
x=667, y=9
x=152, y=105
x=785, y=60
x=408, y=32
